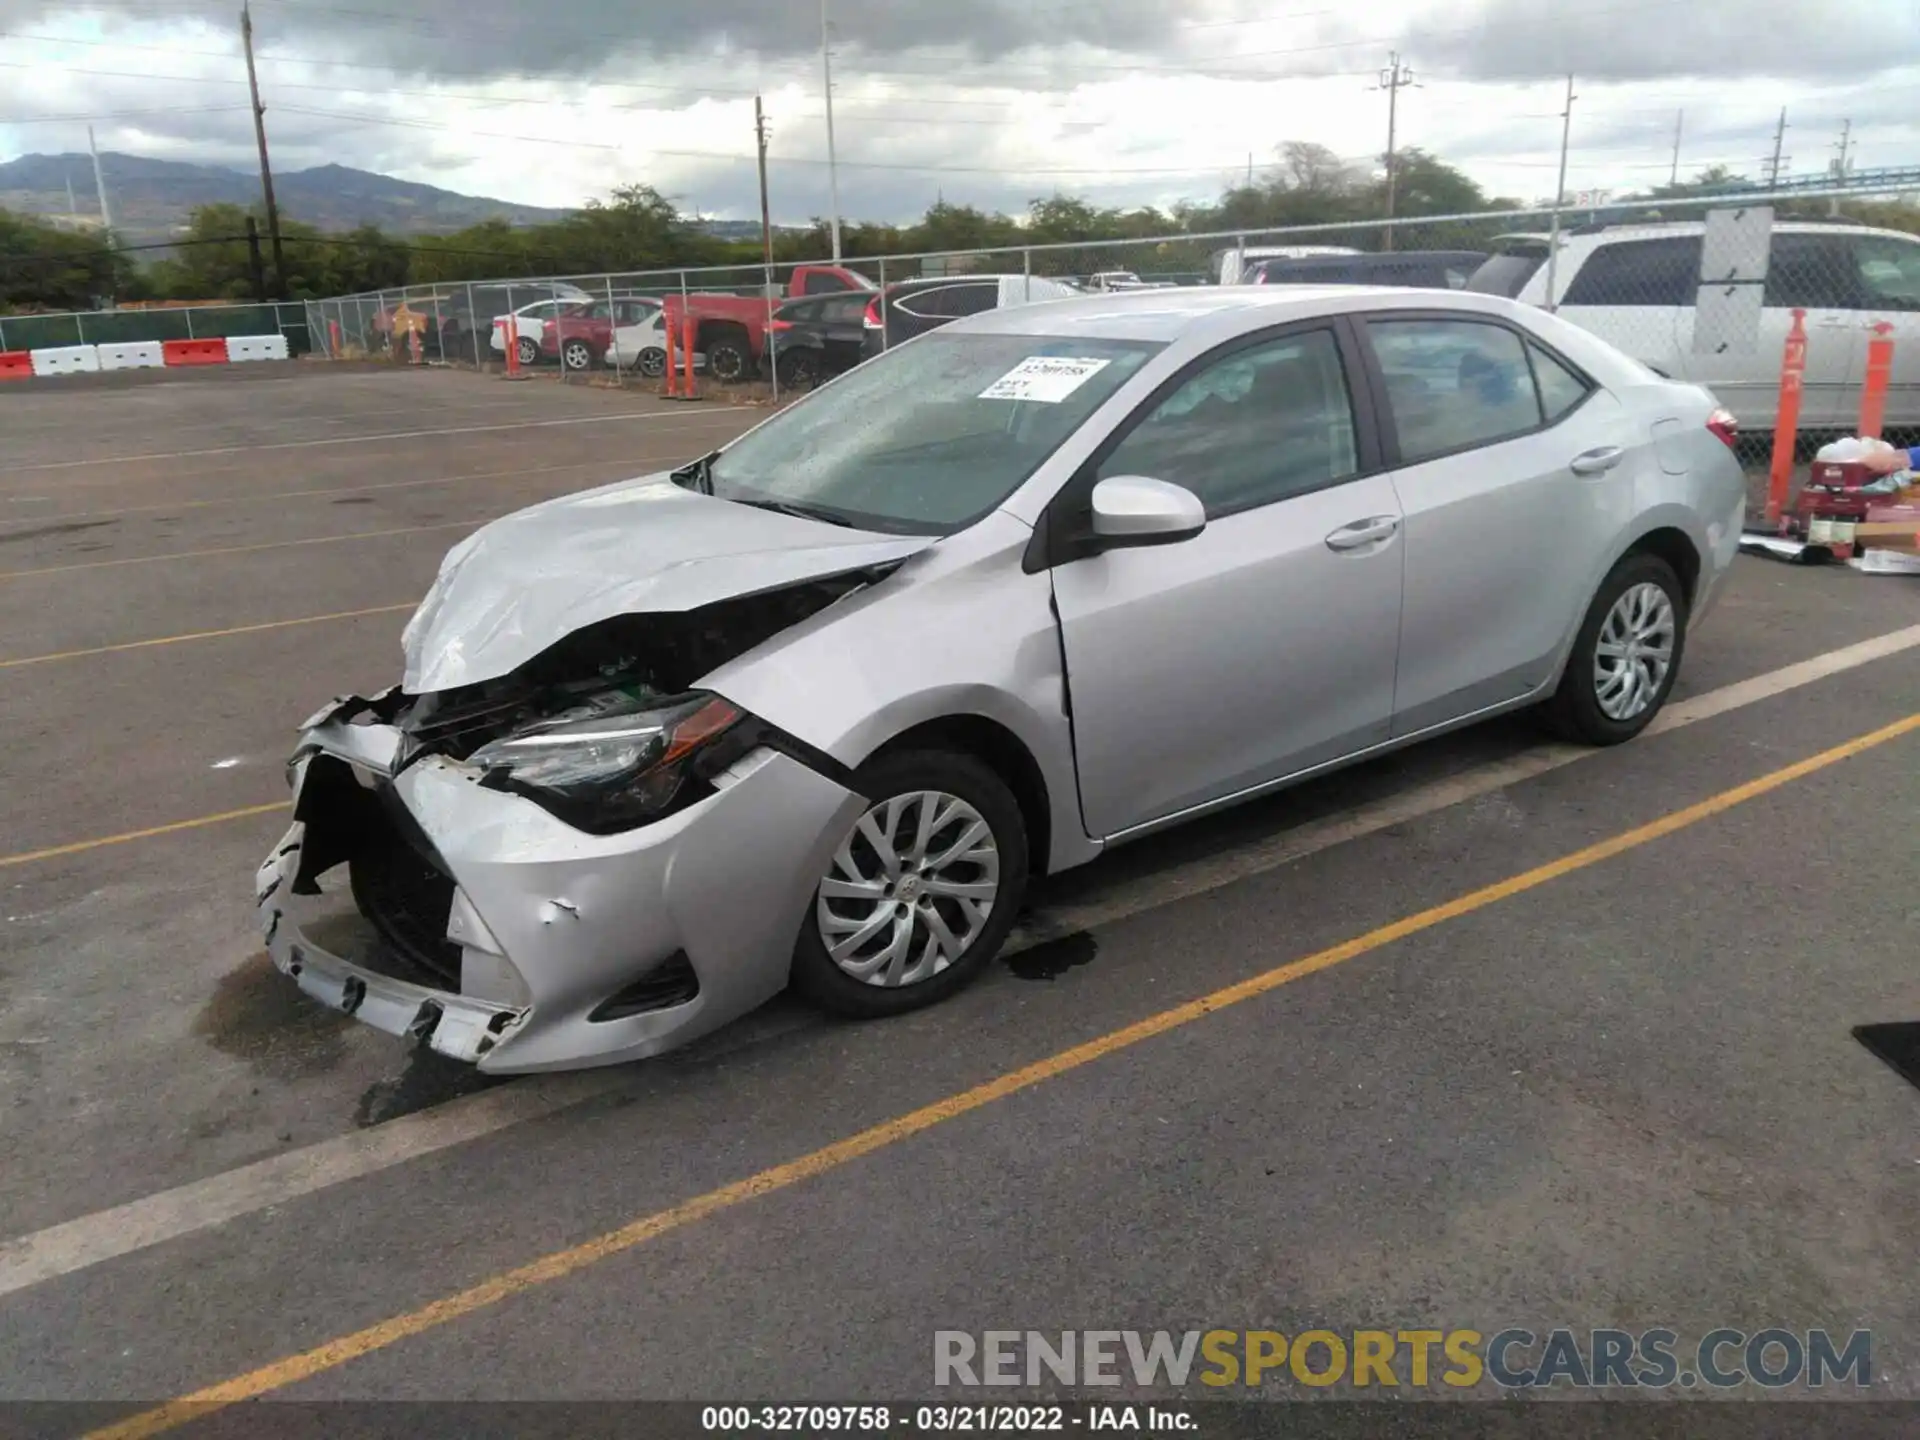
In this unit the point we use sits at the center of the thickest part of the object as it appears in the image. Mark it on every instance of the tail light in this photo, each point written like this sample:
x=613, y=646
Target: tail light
x=1724, y=427
x=871, y=320
x=781, y=325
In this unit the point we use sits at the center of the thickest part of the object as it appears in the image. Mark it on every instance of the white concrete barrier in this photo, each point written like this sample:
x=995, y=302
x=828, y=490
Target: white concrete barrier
x=66, y=360
x=132, y=355
x=256, y=347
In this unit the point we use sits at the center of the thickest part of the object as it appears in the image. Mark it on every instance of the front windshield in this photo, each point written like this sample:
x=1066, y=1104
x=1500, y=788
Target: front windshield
x=927, y=438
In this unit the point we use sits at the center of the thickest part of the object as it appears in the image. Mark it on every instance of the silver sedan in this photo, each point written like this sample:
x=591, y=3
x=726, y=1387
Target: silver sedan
x=816, y=709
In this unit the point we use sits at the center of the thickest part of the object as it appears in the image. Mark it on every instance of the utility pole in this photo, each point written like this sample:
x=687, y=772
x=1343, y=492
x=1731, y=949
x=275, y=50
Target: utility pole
x=1392, y=80
x=1841, y=165
x=833, y=160
x=1779, y=139
x=1673, y=176
x=256, y=271
x=100, y=185
x=266, y=170
x=766, y=240
x=1559, y=199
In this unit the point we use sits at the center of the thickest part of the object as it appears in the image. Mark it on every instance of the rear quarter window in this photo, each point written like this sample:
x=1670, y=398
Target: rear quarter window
x=1508, y=272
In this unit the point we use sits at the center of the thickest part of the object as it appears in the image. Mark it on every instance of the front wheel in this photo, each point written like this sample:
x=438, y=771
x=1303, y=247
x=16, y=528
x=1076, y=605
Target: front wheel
x=651, y=362
x=1625, y=657
x=921, y=891
x=577, y=355
x=529, y=350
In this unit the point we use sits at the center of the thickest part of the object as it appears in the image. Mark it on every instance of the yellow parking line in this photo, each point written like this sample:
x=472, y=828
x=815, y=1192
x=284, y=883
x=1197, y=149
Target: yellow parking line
x=245, y=549
x=76, y=847
x=561, y=1263
x=261, y=497
x=204, y=635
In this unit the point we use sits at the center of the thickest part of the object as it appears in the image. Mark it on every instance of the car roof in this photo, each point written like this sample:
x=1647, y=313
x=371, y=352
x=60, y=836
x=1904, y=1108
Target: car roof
x=1214, y=311
x=1656, y=229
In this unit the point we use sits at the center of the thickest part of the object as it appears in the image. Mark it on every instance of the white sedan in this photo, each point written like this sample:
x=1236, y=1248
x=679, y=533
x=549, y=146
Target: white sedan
x=642, y=347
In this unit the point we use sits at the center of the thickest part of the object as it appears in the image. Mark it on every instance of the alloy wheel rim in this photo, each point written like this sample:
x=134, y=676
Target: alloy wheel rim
x=577, y=356
x=911, y=888
x=1634, y=651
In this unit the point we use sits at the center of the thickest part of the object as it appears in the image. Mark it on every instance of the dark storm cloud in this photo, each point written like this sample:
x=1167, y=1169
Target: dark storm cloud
x=1653, y=39
x=510, y=37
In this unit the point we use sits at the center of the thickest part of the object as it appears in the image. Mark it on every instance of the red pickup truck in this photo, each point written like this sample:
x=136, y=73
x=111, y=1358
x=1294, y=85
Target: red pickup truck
x=731, y=330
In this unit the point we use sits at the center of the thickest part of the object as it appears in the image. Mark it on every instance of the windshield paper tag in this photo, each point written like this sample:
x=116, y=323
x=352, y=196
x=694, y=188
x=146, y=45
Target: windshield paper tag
x=1048, y=379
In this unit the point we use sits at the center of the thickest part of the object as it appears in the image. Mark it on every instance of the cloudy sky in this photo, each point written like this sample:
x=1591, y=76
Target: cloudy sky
x=990, y=102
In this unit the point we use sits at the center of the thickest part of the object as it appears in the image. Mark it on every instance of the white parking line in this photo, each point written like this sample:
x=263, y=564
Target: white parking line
x=170, y=1214
x=388, y=435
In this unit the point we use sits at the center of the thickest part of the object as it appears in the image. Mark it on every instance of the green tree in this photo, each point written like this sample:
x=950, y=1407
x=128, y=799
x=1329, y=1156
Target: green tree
x=42, y=268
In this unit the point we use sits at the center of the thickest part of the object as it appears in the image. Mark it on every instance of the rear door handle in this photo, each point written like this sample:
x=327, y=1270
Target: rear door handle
x=1364, y=532
x=1598, y=461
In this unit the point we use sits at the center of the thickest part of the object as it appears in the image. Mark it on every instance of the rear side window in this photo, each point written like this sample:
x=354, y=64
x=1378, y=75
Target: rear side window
x=1508, y=272
x=1453, y=384
x=843, y=309
x=972, y=299
x=1639, y=272
x=1560, y=388
x=799, y=312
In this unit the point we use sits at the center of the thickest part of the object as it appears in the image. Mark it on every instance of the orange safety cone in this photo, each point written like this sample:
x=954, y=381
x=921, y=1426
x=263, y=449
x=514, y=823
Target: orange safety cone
x=671, y=391
x=513, y=347
x=413, y=344
x=686, y=356
x=1873, y=399
x=1786, y=426
x=333, y=335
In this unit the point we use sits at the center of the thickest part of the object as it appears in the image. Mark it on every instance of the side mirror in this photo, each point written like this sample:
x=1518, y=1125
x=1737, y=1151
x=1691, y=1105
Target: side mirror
x=1133, y=510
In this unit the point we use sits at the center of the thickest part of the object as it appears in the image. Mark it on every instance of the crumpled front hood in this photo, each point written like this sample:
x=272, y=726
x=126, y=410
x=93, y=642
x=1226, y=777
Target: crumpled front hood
x=524, y=582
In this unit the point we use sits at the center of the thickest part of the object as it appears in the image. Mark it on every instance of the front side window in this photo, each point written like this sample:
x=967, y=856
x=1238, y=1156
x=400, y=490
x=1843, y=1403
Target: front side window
x=1255, y=426
x=1810, y=272
x=1453, y=384
x=928, y=437
x=1889, y=272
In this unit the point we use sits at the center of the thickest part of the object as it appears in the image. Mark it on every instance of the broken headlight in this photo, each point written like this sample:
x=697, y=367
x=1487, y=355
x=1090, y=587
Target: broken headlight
x=617, y=761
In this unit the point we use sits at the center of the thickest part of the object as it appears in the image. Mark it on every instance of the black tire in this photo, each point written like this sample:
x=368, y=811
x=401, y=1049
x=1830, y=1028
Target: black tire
x=576, y=355
x=651, y=362
x=1574, y=711
x=529, y=349
x=816, y=975
x=728, y=358
x=801, y=371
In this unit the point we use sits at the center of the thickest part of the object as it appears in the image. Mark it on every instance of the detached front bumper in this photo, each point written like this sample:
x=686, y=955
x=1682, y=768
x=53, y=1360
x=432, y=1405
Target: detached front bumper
x=572, y=949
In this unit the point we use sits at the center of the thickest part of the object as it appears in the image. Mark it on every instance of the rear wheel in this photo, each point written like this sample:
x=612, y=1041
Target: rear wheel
x=921, y=891
x=801, y=370
x=1625, y=657
x=576, y=355
x=529, y=350
x=651, y=362
x=728, y=357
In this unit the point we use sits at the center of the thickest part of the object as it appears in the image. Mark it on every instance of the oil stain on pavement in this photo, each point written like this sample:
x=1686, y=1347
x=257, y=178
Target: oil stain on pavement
x=258, y=1015
x=1051, y=959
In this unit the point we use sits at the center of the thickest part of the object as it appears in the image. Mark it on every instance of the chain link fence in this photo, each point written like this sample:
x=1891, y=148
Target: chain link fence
x=157, y=322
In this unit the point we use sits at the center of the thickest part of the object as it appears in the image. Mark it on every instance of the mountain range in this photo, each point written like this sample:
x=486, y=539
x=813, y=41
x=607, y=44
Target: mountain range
x=152, y=199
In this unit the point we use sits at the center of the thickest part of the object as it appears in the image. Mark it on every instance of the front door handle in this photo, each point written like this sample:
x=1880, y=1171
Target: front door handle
x=1597, y=462
x=1364, y=532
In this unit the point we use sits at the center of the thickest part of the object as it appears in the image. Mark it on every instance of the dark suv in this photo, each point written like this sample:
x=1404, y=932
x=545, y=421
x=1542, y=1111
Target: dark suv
x=1412, y=269
x=913, y=307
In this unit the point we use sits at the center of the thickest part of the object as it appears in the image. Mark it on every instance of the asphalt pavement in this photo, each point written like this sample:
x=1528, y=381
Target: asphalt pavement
x=1619, y=1090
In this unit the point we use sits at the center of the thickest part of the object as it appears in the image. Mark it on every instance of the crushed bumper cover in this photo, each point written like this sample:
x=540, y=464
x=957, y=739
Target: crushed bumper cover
x=550, y=923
